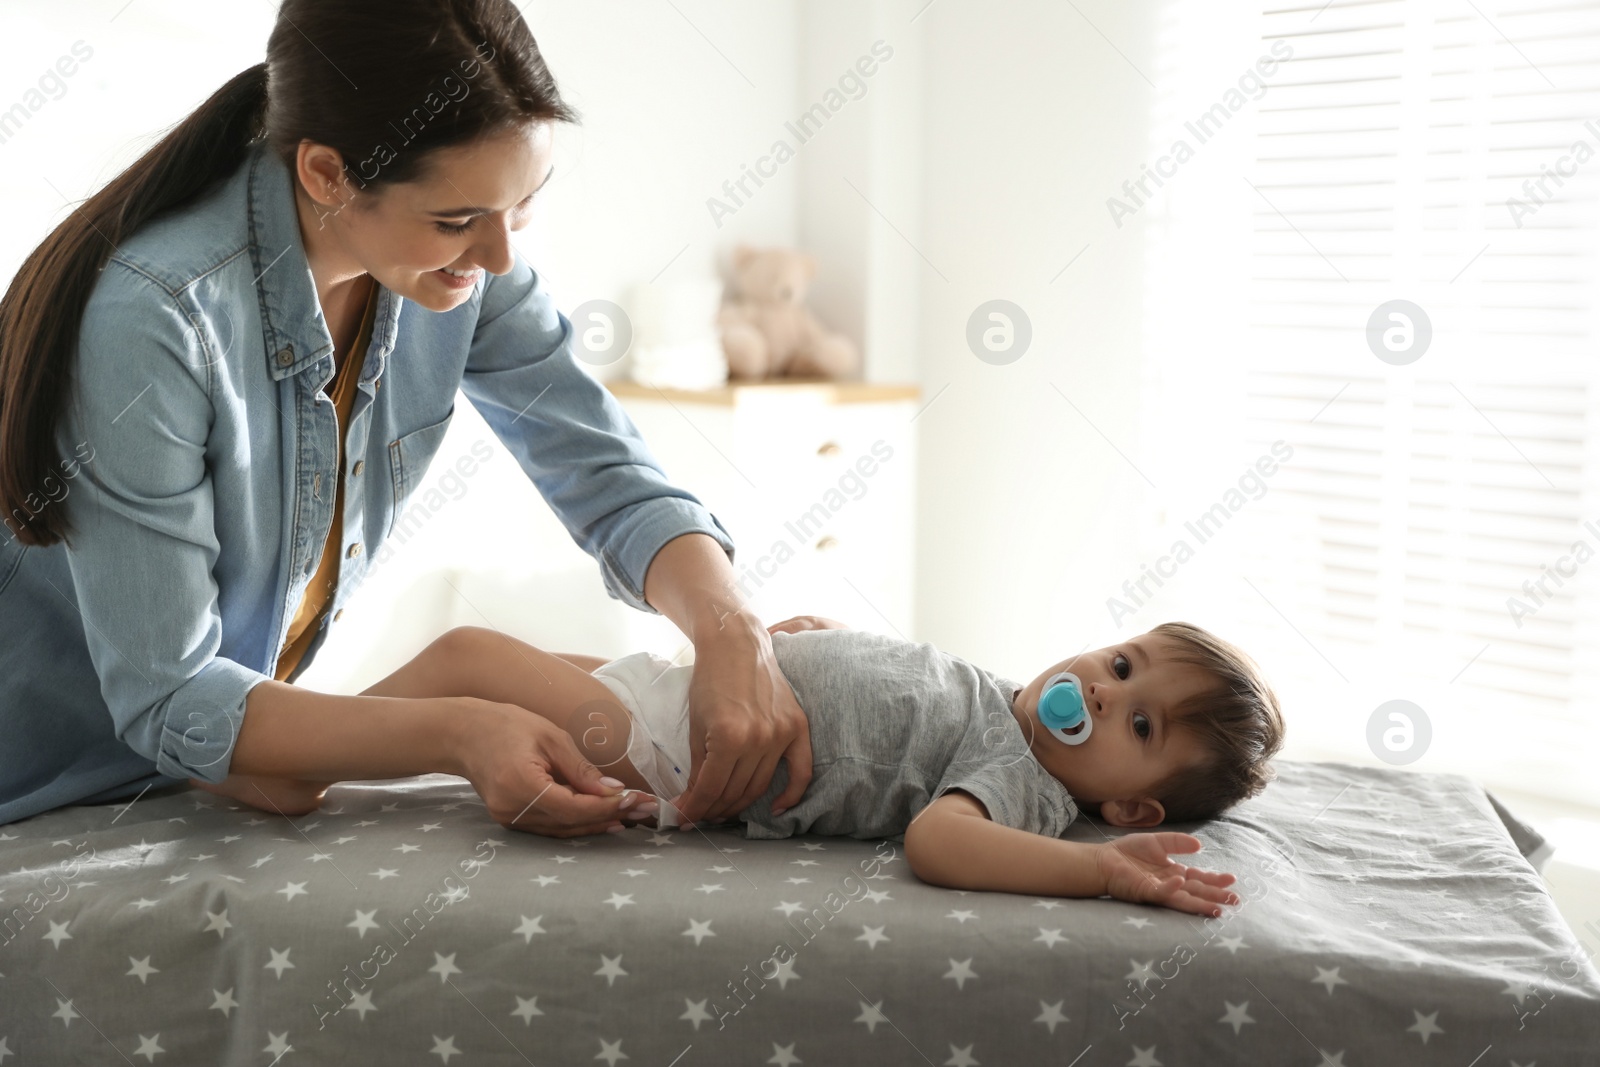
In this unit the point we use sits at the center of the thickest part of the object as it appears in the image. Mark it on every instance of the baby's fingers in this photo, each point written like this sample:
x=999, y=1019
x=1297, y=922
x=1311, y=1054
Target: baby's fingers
x=1211, y=892
x=1185, y=900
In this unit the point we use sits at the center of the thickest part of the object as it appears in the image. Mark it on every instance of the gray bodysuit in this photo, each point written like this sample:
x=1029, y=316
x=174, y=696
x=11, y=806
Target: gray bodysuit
x=893, y=726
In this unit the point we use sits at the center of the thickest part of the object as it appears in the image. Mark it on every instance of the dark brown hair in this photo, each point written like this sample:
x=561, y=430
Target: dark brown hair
x=362, y=76
x=1238, y=724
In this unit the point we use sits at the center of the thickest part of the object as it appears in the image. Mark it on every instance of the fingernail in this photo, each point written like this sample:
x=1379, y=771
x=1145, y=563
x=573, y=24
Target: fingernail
x=779, y=811
x=629, y=798
x=649, y=807
x=611, y=783
x=686, y=826
x=615, y=828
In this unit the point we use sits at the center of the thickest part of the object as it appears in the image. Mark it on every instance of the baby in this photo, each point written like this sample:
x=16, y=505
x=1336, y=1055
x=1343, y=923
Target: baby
x=914, y=744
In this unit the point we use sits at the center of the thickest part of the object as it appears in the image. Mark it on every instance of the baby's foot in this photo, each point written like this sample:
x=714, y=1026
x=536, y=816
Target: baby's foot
x=282, y=796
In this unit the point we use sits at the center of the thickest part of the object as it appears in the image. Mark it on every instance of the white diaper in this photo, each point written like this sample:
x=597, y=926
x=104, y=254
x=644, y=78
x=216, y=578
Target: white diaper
x=656, y=694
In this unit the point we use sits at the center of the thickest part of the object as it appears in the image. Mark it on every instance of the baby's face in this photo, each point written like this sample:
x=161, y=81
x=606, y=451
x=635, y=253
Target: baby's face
x=1129, y=691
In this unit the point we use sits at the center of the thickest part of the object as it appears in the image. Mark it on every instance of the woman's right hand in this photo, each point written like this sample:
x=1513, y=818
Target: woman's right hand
x=530, y=774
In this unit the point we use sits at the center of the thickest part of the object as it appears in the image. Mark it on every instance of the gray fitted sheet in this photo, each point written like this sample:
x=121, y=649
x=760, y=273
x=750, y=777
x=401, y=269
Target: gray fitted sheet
x=1390, y=917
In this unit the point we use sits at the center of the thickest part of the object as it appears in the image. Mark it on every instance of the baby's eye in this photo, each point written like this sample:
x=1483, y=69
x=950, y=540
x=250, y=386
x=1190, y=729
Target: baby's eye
x=1140, y=717
x=1120, y=666
x=447, y=227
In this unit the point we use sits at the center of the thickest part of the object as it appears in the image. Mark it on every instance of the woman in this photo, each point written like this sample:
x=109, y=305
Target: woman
x=223, y=375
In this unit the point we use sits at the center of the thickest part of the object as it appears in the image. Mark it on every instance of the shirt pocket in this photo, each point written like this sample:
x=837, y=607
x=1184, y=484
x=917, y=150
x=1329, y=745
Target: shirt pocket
x=409, y=456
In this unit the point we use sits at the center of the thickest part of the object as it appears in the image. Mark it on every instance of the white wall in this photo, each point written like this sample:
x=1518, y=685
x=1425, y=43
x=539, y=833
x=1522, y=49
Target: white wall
x=1031, y=119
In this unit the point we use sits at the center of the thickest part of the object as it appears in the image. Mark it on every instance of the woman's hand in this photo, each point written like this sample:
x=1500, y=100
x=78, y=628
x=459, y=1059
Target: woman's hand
x=1136, y=869
x=531, y=775
x=743, y=718
x=805, y=622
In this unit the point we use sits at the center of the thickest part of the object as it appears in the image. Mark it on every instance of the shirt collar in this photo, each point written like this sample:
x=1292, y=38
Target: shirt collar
x=296, y=333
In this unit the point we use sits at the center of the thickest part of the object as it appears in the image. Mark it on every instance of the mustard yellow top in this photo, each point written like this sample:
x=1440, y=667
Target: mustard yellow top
x=319, y=592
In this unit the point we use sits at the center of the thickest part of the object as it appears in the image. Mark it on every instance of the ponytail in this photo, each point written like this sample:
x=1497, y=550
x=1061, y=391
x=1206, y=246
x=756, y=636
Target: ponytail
x=41, y=311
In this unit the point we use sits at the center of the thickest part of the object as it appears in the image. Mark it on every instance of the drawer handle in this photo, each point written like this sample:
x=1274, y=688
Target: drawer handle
x=826, y=543
x=829, y=448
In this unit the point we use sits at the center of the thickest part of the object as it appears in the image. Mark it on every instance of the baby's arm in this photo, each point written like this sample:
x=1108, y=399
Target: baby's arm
x=953, y=842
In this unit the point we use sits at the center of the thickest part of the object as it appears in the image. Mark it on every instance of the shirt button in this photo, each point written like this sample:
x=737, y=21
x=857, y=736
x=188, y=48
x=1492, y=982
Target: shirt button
x=355, y=550
x=338, y=615
x=285, y=355
x=360, y=466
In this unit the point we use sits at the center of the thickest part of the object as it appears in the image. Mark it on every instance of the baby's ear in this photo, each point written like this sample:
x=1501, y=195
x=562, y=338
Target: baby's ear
x=1141, y=813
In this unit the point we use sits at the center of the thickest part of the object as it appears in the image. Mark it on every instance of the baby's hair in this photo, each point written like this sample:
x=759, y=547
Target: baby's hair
x=1238, y=724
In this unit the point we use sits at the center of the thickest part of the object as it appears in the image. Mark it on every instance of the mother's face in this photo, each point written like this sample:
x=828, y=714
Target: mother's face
x=430, y=239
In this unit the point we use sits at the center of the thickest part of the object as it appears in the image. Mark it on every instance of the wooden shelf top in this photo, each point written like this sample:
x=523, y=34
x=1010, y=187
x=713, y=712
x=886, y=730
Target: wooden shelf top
x=838, y=392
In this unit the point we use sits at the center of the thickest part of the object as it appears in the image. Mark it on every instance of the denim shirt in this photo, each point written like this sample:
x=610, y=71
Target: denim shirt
x=198, y=474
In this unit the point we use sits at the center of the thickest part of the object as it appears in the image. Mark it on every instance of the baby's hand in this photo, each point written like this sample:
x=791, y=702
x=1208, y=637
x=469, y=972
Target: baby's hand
x=1136, y=869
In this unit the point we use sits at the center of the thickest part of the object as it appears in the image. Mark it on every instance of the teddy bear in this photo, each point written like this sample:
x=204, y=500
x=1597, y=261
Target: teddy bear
x=767, y=332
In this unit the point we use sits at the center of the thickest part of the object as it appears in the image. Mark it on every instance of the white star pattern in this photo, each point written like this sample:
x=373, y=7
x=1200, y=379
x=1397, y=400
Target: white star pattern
x=444, y=966
x=696, y=1012
x=529, y=927
x=961, y=972
x=363, y=922
x=1141, y=973
x=1330, y=978
x=58, y=933
x=1426, y=1025
x=611, y=969
x=278, y=1045
x=64, y=1011
x=1144, y=1057
x=872, y=1015
x=217, y=922
x=961, y=1057
x=224, y=1002
x=279, y=962
x=361, y=1003
x=872, y=935
x=1050, y=937
x=148, y=1047
x=527, y=1008
x=445, y=1047
x=611, y=1052
x=142, y=970
x=785, y=973
x=1236, y=1016
x=783, y=1055
x=699, y=930
x=1051, y=1014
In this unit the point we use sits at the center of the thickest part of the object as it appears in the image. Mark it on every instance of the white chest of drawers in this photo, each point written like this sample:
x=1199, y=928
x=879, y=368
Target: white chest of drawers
x=815, y=482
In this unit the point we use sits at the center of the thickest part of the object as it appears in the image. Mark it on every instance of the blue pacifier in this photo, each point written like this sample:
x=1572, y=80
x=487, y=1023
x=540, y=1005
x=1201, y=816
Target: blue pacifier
x=1062, y=709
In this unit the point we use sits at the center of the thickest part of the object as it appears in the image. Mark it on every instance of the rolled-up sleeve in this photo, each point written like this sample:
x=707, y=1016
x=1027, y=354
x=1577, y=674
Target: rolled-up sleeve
x=573, y=439
x=142, y=543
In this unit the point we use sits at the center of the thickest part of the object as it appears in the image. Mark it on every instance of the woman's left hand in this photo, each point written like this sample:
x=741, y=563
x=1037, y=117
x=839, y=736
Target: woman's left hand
x=743, y=718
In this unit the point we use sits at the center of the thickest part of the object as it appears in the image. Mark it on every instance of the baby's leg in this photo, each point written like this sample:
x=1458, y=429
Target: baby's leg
x=475, y=662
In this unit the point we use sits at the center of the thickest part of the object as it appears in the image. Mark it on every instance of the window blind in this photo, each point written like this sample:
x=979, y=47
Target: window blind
x=1436, y=536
